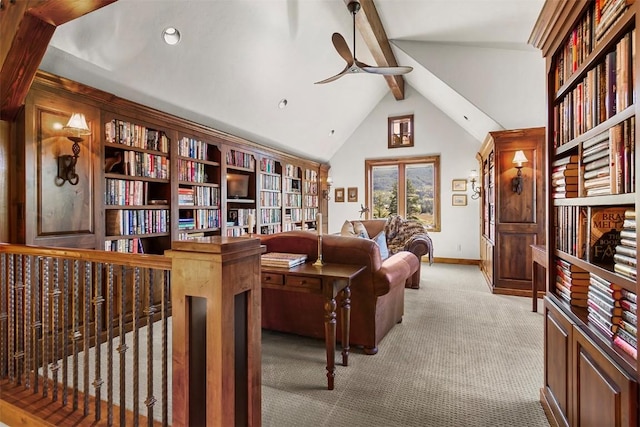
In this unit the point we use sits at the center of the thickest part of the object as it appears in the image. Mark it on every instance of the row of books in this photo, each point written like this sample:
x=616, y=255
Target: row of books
x=571, y=283
x=612, y=311
x=606, y=14
x=146, y=165
x=199, y=196
x=624, y=258
x=124, y=192
x=240, y=159
x=270, y=182
x=270, y=216
x=310, y=200
x=239, y=217
x=199, y=219
x=292, y=171
x=192, y=171
x=133, y=135
x=605, y=90
x=293, y=214
x=293, y=200
x=292, y=185
x=126, y=222
x=132, y=246
x=271, y=229
x=571, y=230
x=196, y=149
x=270, y=199
x=310, y=214
x=270, y=166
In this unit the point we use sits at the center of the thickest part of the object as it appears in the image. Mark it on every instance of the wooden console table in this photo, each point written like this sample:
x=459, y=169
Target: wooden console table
x=538, y=256
x=328, y=280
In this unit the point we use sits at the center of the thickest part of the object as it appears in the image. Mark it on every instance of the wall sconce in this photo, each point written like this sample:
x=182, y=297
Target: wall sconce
x=76, y=127
x=326, y=191
x=516, y=182
x=476, y=190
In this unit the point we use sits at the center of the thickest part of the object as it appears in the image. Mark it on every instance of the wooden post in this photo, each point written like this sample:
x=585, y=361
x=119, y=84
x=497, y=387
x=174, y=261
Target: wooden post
x=215, y=294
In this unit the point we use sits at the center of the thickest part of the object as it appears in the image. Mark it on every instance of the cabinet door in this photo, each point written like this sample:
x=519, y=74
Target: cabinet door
x=604, y=395
x=558, y=330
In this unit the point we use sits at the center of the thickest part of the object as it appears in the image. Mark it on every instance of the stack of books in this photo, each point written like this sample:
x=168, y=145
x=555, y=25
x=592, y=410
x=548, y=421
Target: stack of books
x=604, y=306
x=572, y=283
x=627, y=334
x=282, y=259
x=596, y=162
x=564, y=177
x=624, y=258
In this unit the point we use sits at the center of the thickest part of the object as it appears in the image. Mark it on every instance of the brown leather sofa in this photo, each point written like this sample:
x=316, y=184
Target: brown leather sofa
x=419, y=244
x=377, y=294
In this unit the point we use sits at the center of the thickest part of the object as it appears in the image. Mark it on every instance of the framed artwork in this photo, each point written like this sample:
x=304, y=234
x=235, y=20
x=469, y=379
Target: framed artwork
x=459, y=185
x=339, y=195
x=400, y=132
x=459, y=200
x=352, y=194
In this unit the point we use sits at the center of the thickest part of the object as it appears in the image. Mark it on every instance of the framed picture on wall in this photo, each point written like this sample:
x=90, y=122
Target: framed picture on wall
x=400, y=132
x=459, y=185
x=339, y=195
x=352, y=194
x=459, y=200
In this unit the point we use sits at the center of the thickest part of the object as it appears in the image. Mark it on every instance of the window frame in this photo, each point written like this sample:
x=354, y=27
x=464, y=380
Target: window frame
x=401, y=162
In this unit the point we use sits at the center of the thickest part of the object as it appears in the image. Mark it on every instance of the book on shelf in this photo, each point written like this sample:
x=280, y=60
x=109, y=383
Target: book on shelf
x=628, y=337
x=629, y=327
x=600, y=326
x=625, y=346
x=625, y=270
x=629, y=296
x=629, y=306
x=282, y=259
x=570, y=161
x=605, y=225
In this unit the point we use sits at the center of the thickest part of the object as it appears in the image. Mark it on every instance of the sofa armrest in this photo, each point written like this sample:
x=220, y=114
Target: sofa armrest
x=419, y=245
x=394, y=271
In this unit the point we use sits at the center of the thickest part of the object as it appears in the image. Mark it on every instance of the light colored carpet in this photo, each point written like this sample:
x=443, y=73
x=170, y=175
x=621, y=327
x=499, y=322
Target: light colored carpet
x=462, y=357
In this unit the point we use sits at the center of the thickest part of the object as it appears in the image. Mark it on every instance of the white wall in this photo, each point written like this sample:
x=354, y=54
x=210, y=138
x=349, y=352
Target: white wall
x=435, y=133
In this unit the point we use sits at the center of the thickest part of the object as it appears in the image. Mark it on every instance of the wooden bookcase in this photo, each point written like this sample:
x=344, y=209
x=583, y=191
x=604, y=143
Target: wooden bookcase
x=136, y=197
x=589, y=377
x=311, y=198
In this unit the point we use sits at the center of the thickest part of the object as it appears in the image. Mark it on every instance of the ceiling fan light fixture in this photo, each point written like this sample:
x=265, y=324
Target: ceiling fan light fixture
x=171, y=36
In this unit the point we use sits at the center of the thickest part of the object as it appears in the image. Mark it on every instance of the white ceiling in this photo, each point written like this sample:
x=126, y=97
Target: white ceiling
x=238, y=58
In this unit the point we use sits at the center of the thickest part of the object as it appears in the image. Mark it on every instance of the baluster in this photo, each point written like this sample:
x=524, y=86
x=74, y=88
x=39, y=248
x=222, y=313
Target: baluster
x=55, y=328
x=21, y=330
x=32, y=319
x=44, y=324
x=76, y=330
x=166, y=297
x=12, y=324
x=151, y=400
x=97, y=301
x=122, y=348
x=65, y=334
x=87, y=334
x=136, y=345
x=4, y=316
x=110, y=320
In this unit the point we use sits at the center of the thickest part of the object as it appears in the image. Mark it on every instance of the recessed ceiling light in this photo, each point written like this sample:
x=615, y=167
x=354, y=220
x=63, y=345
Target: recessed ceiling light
x=283, y=103
x=331, y=132
x=171, y=36
x=465, y=117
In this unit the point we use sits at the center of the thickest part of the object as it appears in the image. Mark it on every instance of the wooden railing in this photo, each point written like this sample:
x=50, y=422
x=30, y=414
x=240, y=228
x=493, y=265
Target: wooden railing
x=73, y=324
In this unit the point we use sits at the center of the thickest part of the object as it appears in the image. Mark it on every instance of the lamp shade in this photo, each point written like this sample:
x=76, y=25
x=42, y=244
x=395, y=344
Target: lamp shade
x=520, y=158
x=78, y=124
x=473, y=174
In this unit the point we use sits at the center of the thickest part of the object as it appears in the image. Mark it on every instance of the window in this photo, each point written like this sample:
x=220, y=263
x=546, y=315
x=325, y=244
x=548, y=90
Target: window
x=409, y=187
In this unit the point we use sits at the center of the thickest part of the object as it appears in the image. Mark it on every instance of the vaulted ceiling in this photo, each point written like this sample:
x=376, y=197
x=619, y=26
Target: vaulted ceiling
x=238, y=59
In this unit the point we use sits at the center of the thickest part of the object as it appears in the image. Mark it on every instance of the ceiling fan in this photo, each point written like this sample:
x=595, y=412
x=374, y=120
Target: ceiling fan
x=353, y=65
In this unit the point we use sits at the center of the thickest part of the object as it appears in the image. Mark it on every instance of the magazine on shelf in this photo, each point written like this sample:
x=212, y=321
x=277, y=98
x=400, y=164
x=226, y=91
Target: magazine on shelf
x=282, y=259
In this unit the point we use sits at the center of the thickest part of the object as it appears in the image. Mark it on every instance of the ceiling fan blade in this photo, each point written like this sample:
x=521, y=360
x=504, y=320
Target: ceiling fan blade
x=336, y=77
x=343, y=49
x=387, y=71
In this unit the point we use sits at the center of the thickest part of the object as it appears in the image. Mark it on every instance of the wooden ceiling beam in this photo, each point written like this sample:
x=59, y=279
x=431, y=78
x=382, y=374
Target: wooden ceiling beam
x=370, y=27
x=26, y=28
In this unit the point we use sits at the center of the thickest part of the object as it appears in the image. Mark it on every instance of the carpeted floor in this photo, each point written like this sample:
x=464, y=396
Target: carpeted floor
x=461, y=357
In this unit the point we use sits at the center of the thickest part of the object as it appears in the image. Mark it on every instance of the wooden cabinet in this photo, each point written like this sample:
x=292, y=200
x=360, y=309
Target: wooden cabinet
x=146, y=178
x=591, y=366
x=511, y=221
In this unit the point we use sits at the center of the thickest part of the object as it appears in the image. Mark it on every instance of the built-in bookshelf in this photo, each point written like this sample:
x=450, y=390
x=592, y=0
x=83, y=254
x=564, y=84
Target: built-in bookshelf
x=311, y=198
x=137, y=187
x=292, y=198
x=270, y=211
x=591, y=307
x=199, y=212
x=240, y=192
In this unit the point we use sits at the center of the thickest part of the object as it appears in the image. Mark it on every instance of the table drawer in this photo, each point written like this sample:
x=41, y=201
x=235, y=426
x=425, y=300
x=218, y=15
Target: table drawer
x=304, y=282
x=272, y=278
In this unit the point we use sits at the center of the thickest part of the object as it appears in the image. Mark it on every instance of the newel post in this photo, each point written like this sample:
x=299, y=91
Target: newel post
x=215, y=294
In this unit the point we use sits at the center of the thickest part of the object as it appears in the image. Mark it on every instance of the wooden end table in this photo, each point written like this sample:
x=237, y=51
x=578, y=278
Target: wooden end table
x=329, y=280
x=538, y=256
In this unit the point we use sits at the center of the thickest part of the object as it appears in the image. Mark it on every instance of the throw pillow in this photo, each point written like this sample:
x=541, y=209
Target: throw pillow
x=347, y=229
x=360, y=230
x=381, y=241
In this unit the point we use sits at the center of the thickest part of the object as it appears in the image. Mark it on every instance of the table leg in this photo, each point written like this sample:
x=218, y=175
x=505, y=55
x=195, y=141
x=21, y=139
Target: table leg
x=346, y=324
x=534, y=287
x=330, y=339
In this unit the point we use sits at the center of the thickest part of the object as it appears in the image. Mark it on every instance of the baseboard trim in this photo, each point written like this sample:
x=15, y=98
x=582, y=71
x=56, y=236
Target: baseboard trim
x=453, y=261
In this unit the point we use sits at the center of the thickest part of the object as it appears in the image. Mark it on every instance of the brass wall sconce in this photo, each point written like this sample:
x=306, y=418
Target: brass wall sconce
x=76, y=128
x=516, y=182
x=327, y=191
x=476, y=190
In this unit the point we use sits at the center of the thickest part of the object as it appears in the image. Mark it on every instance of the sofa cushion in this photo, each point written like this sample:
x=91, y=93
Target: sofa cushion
x=381, y=240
